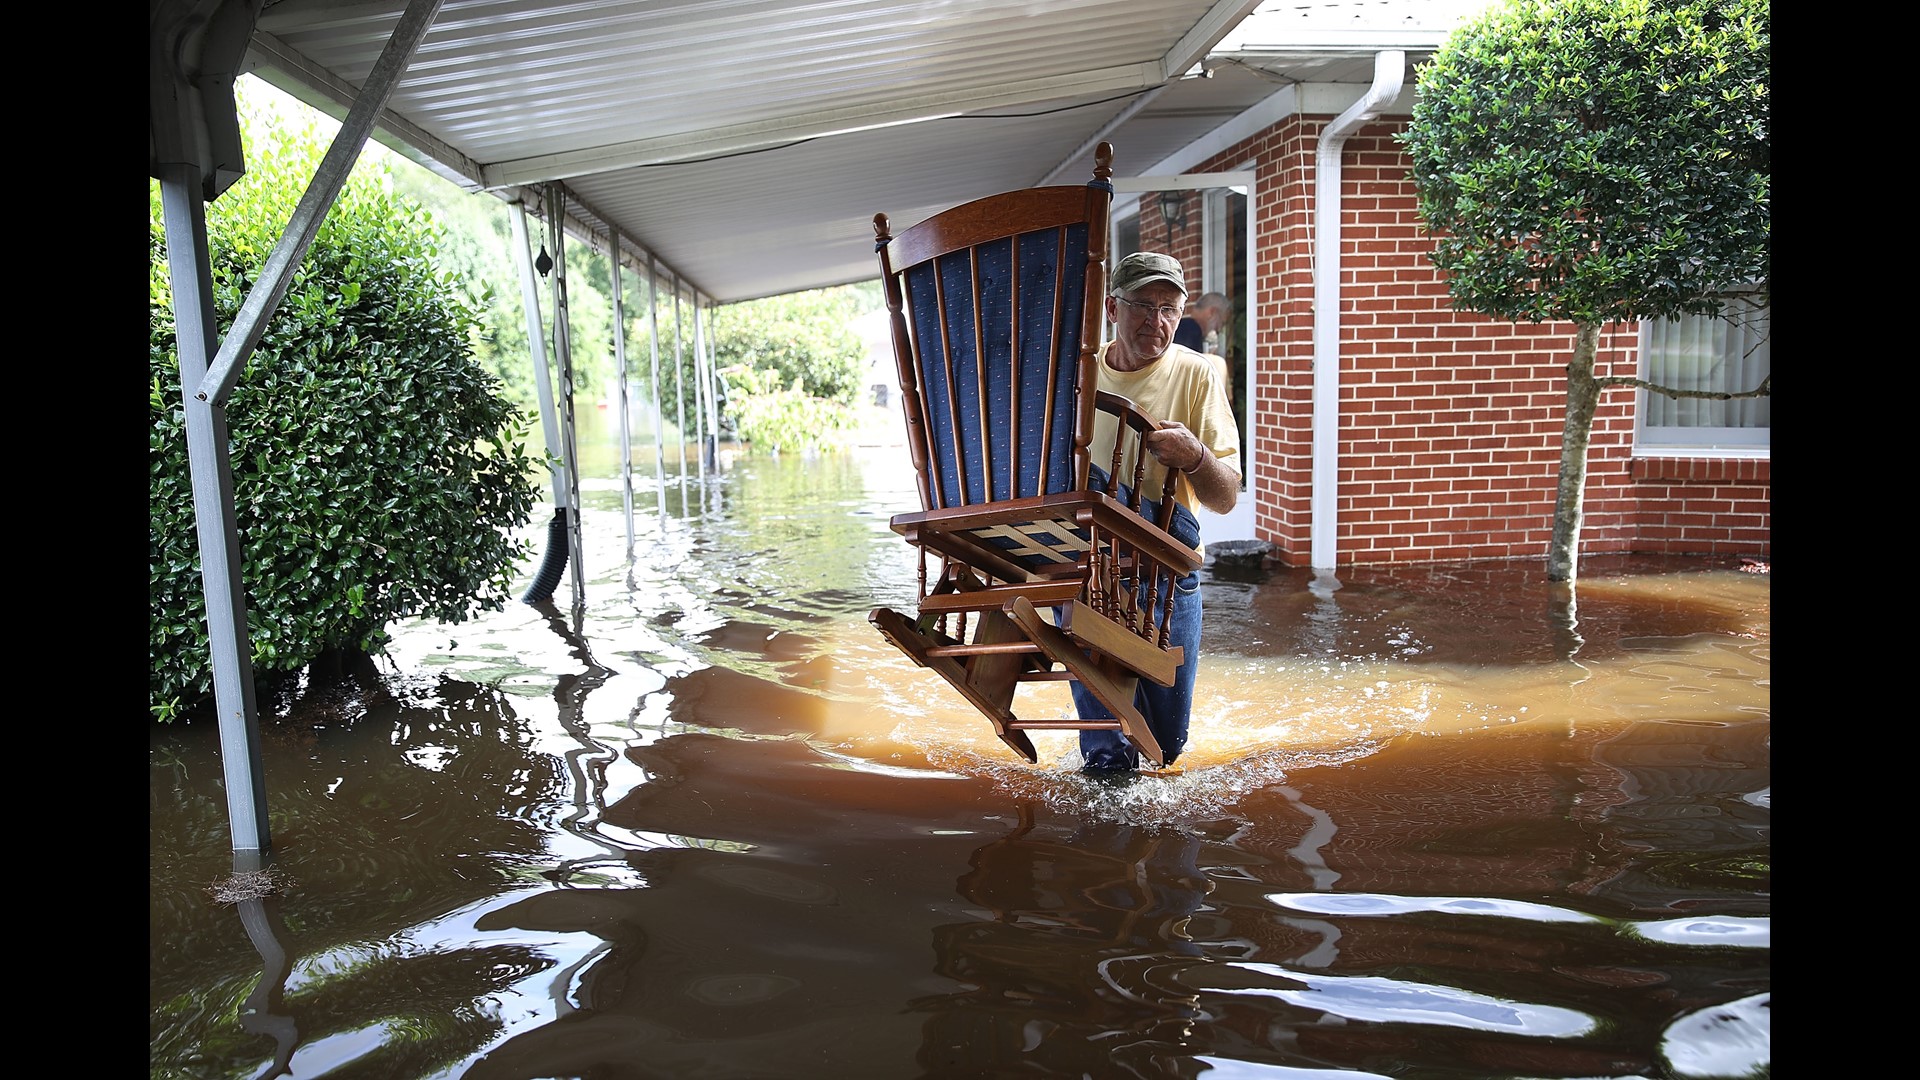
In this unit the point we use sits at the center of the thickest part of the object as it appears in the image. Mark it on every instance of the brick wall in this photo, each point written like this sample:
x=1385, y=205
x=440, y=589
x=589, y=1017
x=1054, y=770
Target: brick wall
x=1450, y=421
x=1180, y=236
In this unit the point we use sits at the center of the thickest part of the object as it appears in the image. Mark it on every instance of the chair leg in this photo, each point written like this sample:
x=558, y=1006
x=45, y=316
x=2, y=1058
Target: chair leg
x=1109, y=682
x=987, y=682
x=1102, y=635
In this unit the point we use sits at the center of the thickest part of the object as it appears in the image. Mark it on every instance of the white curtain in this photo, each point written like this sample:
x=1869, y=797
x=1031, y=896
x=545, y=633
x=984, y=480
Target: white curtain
x=1729, y=354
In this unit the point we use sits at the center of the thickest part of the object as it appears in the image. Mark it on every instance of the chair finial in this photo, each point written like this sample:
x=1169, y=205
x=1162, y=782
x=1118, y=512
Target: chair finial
x=880, y=234
x=1103, y=161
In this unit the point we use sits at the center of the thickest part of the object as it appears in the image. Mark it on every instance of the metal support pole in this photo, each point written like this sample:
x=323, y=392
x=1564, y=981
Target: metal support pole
x=563, y=352
x=702, y=392
x=703, y=342
x=620, y=366
x=680, y=390
x=537, y=345
x=659, y=422
x=191, y=277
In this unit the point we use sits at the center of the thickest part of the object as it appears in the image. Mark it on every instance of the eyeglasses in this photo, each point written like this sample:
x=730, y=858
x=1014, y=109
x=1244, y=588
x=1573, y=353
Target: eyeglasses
x=1163, y=311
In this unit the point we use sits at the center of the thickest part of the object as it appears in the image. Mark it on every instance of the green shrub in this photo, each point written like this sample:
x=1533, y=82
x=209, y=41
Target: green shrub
x=771, y=418
x=378, y=472
x=809, y=336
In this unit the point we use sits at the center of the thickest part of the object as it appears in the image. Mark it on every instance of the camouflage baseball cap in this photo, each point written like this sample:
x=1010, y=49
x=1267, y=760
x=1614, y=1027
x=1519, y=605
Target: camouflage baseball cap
x=1145, y=267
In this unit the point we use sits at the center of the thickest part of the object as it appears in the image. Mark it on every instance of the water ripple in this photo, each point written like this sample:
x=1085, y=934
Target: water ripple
x=1379, y=1000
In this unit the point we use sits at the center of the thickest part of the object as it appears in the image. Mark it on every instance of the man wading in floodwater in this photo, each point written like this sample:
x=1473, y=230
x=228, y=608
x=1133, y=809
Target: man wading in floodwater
x=1181, y=389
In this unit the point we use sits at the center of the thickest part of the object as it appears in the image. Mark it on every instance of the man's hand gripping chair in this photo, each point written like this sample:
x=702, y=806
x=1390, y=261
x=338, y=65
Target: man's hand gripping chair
x=997, y=309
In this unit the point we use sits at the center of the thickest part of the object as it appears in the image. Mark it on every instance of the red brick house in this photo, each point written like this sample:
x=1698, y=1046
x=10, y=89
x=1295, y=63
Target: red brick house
x=1448, y=423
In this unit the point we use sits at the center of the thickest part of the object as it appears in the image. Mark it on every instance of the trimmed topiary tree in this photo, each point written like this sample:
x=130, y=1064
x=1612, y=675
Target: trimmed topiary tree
x=378, y=472
x=1598, y=161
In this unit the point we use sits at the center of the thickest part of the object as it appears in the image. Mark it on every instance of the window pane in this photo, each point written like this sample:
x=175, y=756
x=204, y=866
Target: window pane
x=1728, y=354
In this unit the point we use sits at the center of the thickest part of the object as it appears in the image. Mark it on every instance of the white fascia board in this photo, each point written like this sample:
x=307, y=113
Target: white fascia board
x=1354, y=42
x=1218, y=23
x=1335, y=98
x=1269, y=111
x=1309, y=99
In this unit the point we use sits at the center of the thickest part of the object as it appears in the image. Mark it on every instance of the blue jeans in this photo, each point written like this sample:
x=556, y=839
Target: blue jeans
x=1167, y=708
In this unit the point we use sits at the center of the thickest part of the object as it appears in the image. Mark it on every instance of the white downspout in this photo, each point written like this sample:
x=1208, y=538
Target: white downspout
x=1389, y=73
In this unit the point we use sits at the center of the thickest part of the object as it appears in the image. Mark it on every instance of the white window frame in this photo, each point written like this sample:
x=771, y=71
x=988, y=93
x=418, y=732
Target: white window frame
x=1734, y=354
x=1237, y=525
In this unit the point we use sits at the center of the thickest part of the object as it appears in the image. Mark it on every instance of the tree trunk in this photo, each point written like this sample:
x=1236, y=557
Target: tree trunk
x=1583, y=396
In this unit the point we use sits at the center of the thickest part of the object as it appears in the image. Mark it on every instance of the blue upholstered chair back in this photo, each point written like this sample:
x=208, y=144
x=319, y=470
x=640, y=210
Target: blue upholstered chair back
x=997, y=331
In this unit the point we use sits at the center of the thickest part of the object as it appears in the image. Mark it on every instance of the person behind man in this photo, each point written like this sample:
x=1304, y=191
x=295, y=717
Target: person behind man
x=1182, y=389
x=1209, y=315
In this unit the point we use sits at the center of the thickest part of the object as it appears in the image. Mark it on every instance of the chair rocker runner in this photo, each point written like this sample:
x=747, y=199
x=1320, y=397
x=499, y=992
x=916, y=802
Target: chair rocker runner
x=996, y=308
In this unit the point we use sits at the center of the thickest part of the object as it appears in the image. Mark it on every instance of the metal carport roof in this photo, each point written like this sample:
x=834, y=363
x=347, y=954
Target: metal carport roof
x=747, y=144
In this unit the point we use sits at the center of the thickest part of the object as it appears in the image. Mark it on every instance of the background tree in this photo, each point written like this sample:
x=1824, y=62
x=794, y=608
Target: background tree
x=477, y=249
x=378, y=471
x=798, y=363
x=795, y=365
x=1597, y=161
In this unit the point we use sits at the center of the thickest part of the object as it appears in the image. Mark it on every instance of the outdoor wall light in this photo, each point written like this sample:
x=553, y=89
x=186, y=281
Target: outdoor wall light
x=1173, y=207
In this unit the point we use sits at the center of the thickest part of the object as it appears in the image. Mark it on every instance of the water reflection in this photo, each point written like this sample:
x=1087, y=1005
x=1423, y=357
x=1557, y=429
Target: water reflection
x=264, y=1011
x=1396, y=1002
x=1069, y=957
x=714, y=825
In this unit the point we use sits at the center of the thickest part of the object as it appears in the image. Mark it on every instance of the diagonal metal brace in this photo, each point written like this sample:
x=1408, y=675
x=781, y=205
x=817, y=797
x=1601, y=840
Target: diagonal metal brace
x=277, y=274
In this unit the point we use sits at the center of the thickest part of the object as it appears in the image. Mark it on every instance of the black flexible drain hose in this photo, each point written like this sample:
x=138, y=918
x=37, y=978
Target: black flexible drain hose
x=555, y=564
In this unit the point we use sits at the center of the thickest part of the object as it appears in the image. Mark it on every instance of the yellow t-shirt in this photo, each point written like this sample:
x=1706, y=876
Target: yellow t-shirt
x=1182, y=385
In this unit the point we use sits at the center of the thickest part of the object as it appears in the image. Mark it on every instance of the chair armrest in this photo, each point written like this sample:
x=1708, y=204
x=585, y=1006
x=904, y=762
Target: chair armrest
x=1130, y=459
x=1126, y=524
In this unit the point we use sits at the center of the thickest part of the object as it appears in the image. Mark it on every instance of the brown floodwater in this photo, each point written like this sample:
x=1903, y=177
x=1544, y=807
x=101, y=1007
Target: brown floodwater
x=1436, y=822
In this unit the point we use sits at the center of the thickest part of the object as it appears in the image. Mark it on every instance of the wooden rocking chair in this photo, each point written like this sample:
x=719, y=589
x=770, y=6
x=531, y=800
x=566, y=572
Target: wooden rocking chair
x=997, y=307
